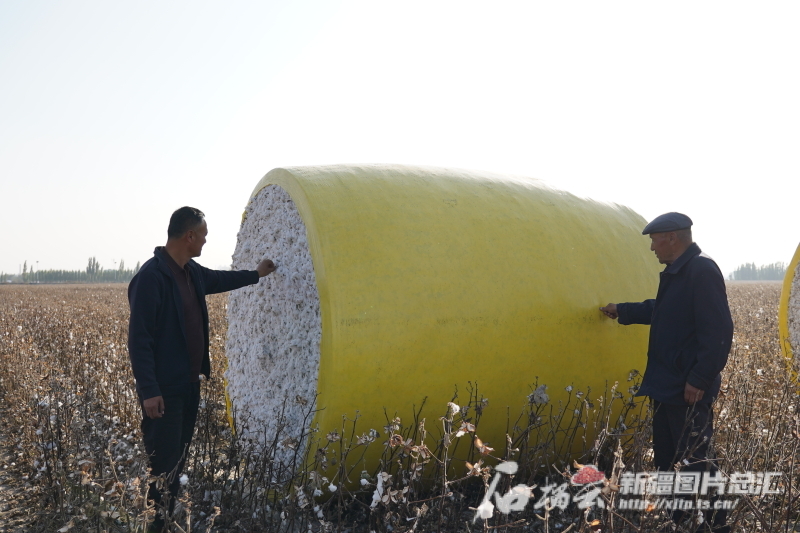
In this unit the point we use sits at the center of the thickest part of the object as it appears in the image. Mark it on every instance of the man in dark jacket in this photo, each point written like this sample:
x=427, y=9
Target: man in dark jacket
x=691, y=331
x=168, y=342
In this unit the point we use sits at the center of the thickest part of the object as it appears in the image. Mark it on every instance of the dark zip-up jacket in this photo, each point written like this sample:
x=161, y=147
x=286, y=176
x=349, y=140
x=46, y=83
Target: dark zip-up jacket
x=157, y=333
x=691, y=329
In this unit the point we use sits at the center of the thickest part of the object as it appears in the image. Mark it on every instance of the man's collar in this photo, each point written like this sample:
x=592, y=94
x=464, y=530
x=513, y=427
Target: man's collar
x=684, y=258
x=162, y=253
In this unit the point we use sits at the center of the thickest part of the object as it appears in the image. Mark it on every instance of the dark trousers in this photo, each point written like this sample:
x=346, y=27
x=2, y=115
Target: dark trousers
x=167, y=439
x=682, y=434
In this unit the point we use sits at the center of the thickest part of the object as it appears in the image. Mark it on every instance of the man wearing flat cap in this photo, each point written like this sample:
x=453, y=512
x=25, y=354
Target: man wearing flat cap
x=691, y=331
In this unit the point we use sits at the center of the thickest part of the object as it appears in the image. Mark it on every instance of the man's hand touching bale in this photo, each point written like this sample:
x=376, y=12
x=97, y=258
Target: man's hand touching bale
x=266, y=267
x=610, y=311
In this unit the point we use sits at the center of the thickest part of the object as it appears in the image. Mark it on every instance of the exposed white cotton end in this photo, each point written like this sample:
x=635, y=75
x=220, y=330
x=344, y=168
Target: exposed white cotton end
x=274, y=327
x=794, y=316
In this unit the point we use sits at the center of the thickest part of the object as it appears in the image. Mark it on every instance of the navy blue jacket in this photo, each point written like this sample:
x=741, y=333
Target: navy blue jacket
x=157, y=334
x=691, y=329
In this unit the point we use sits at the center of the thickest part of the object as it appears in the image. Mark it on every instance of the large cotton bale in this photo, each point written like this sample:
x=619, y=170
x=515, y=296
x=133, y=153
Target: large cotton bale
x=789, y=314
x=398, y=283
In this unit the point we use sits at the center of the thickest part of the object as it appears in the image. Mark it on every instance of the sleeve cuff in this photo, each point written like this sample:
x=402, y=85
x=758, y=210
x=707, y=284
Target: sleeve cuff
x=696, y=380
x=149, y=392
x=622, y=314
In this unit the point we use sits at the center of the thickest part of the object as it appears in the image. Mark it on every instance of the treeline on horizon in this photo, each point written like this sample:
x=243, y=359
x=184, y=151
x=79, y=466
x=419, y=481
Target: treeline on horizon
x=93, y=273
x=750, y=272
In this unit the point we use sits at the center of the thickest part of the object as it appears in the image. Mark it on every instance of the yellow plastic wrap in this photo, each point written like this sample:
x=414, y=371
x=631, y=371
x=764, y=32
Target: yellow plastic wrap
x=783, y=314
x=429, y=278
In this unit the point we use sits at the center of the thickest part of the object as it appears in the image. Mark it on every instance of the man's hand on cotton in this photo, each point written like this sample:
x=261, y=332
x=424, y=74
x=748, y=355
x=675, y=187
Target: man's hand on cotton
x=265, y=267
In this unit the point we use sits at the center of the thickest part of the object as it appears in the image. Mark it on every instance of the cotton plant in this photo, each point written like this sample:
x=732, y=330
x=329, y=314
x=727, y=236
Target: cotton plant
x=539, y=396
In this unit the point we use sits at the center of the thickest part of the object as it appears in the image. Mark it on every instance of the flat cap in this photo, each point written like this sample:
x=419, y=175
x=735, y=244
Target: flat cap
x=667, y=222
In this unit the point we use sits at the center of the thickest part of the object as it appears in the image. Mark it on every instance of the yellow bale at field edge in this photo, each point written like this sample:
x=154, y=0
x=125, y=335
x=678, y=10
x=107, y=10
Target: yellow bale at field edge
x=430, y=278
x=783, y=314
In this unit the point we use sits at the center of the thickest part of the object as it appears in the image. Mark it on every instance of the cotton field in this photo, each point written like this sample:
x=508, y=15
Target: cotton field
x=72, y=458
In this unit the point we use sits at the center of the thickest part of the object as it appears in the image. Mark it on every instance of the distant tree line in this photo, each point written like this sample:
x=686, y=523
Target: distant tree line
x=750, y=272
x=93, y=273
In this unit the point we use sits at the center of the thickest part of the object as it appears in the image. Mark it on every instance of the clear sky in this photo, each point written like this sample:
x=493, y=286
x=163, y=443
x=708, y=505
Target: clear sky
x=114, y=114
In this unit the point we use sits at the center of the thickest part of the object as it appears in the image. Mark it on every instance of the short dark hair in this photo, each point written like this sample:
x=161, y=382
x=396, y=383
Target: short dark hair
x=684, y=235
x=184, y=219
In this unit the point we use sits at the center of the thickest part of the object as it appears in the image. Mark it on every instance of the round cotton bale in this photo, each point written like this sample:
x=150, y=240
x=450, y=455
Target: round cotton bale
x=398, y=283
x=789, y=314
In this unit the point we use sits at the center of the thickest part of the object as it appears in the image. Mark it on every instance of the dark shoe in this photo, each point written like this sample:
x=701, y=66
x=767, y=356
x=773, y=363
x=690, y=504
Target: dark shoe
x=715, y=521
x=157, y=526
x=716, y=529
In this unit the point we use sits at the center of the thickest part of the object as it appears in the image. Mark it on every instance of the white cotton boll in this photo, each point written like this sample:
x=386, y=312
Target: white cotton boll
x=184, y=479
